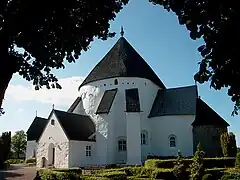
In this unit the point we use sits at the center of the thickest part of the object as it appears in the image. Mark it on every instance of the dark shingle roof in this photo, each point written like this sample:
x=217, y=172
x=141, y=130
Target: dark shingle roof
x=205, y=115
x=77, y=127
x=106, y=101
x=175, y=101
x=74, y=104
x=132, y=100
x=122, y=61
x=36, y=128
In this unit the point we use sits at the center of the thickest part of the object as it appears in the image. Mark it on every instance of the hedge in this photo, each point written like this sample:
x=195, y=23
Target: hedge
x=15, y=161
x=57, y=175
x=207, y=163
x=117, y=175
x=30, y=160
x=69, y=170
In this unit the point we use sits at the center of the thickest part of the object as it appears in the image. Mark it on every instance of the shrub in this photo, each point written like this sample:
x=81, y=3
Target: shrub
x=237, y=162
x=228, y=144
x=30, y=160
x=118, y=175
x=15, y=161
x=57, y=175
x=6, y=165
x=207, y=177
x=69, y=170
x=179, y=169
x=166, y=174
x=230, y=177
x=196, y=168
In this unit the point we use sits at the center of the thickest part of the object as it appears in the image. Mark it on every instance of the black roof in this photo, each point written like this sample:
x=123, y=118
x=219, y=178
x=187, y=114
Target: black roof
x=122, y=61
x=74, y=104
x=36, y=128
x=185, y=101
x=77, y=127
x=106, y=101
x=175, y=101
x=205, y=115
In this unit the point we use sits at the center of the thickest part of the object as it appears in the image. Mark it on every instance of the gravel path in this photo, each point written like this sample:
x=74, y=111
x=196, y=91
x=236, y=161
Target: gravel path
x=18, y=172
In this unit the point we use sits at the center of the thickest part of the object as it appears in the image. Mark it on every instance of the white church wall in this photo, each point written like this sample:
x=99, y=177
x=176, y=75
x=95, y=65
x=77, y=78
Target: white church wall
x=133, y=138
x=53, y=135
x=78, y=156
x=177, y=125
x=91, y=96
x=31, y=149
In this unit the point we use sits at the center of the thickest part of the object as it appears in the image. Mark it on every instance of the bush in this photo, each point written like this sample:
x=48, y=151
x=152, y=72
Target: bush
x=207, y=163
x=179, y=170
x=30, y=160
x=196, y=168
x=166, y=174
x=6, y=165
x=118, y=175
x=57, y=175
x=207, y=177
x=69, y=170
x=228, y=144
x=15, y=161
x=237, y=162
x=230, y=177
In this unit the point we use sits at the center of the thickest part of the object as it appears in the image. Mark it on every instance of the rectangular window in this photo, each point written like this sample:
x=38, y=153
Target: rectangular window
x=122, y=145
x=88, y=151
x=132, y=100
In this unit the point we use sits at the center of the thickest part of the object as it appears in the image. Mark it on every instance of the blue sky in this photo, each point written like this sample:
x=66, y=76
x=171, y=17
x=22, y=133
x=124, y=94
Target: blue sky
x=160, y=40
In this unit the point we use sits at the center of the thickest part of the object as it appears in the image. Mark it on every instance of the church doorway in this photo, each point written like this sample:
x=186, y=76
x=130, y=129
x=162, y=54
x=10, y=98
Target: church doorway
x=51, y=154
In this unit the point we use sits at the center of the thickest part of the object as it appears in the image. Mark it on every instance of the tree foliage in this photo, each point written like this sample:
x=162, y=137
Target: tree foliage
x=237, y=162
x=228, y=144
x=19, y=143
x=50, y=33
x=5, y=147
x=217, y=22
x=196, y=168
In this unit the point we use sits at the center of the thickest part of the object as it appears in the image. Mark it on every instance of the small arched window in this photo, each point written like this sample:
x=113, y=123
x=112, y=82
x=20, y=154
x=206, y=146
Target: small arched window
x=144, y=137
x=122, y=145
x=116, y=82
x=172, y=141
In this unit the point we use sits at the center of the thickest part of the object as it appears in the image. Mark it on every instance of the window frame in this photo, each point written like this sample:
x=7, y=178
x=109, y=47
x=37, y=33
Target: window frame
x=172, y=141
x=144, y=137
x=122, y=145
x=88, y=150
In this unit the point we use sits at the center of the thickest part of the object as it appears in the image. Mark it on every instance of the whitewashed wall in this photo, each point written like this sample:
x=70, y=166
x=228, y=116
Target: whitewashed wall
x=133, y=138
x=112, y=126
x=77, y=154
x=31, y=147
x=180, y=126
x=54, y=134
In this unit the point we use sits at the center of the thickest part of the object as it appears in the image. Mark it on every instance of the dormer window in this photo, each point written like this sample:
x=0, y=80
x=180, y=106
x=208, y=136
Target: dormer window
x=52, y=122
x=116, y=82
x=132, y=100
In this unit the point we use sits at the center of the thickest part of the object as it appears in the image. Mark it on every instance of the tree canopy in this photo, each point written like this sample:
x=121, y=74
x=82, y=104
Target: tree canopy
x=217, y=23
x=19, y=143
x=50, y=32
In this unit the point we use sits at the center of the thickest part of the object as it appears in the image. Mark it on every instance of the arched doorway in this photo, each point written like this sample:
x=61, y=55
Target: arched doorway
x=51, y=154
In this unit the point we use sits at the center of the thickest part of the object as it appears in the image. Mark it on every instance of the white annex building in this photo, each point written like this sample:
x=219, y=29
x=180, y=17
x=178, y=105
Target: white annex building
x=123, y=114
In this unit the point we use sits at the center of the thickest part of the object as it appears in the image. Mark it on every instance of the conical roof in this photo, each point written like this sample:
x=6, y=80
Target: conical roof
x=122, y=61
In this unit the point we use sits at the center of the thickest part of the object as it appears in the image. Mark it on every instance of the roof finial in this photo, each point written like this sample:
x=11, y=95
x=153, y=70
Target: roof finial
x=122, y=32
x=53, y=106
x=36, y=113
